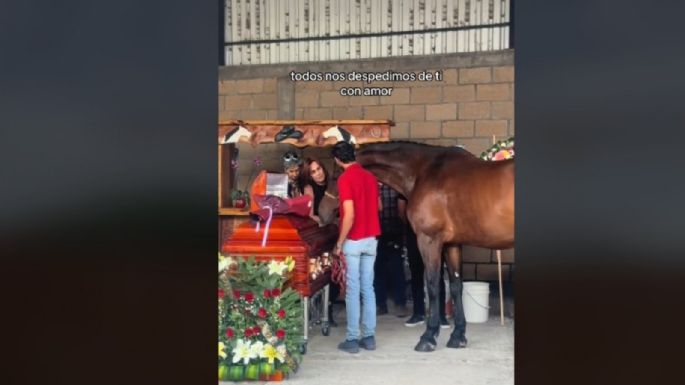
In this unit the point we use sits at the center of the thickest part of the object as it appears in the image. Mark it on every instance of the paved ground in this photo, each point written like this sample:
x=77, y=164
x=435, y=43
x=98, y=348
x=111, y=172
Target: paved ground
x=488, y=359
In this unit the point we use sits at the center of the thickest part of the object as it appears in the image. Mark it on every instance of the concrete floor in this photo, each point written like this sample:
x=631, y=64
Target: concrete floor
x=487, y=360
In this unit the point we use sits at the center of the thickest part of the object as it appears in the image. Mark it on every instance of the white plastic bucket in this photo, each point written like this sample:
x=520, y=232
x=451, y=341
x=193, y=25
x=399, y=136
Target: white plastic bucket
x=476, y=299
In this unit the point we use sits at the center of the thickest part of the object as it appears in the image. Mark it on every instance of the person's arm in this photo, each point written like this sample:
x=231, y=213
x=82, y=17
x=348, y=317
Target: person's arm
x=308, y=190
x=346, y=225
x=380, y=196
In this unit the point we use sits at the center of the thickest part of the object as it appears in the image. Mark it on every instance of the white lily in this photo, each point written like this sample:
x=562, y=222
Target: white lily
x=281, y=352
x=225, y=262
x=241, y=352
x=276, y=267
x=256, y=349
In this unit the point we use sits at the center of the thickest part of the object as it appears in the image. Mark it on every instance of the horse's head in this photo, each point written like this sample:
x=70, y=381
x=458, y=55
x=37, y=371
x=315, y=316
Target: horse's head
x=237, y=134
x=399, y=163
x=393, y=164
x=339, y=134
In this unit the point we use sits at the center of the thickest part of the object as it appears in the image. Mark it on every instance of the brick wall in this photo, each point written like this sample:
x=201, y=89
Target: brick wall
x=473, y=102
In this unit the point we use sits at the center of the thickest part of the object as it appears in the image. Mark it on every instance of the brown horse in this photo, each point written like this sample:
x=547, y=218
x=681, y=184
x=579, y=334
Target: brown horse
x=329, y=206
x=454, y=199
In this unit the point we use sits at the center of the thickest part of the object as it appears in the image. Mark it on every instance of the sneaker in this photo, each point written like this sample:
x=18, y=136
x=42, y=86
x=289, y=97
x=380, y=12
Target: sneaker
x=415, y=320
x=444, y=324
x=350, y=346
x=368, y=343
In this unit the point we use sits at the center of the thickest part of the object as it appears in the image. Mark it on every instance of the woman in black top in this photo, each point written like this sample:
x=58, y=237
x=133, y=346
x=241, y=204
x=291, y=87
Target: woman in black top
x=314, y=182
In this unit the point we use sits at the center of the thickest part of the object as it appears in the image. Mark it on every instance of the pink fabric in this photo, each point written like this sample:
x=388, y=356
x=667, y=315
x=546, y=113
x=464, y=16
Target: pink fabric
x=298, y=206
x=271, y=204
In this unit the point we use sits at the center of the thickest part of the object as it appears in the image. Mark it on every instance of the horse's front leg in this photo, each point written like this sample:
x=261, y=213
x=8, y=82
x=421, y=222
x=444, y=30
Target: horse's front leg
x=453, y=259
x=431, y=254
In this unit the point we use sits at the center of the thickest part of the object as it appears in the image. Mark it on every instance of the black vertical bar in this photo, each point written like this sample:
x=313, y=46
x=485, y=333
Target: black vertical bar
x=220, y=40
x=511, y=24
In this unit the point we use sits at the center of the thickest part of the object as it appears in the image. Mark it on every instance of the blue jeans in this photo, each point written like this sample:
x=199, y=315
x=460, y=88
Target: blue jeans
x=360, y=256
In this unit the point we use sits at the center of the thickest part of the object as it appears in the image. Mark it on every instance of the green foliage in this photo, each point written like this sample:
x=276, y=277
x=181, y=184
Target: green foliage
x=240, y=194
x=502, y=145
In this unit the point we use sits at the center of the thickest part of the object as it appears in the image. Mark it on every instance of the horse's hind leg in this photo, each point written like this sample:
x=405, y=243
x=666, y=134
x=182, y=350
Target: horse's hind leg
x=431, y=253
x=453, y=259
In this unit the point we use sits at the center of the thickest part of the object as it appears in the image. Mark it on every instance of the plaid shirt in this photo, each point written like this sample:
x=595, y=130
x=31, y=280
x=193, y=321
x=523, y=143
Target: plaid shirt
x=391, y=223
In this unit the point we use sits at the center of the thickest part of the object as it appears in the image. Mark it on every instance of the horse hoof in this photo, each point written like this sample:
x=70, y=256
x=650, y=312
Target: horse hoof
x=456, y=343
x=424, y=346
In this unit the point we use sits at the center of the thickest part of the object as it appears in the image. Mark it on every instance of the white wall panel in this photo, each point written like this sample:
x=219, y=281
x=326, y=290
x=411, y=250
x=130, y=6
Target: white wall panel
x=288, y=20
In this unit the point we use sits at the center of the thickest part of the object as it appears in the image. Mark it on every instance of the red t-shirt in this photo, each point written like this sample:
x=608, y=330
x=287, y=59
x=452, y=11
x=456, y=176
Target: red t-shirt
x=360, y=186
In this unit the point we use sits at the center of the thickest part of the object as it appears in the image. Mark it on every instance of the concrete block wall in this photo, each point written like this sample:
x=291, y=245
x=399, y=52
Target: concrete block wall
x=473, y=101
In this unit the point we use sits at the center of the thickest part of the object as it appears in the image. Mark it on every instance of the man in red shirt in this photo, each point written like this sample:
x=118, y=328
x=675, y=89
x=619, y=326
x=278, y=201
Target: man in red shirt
x=359, y=226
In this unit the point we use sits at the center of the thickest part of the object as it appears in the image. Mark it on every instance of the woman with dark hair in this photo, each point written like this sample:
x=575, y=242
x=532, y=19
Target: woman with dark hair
x=314, y=182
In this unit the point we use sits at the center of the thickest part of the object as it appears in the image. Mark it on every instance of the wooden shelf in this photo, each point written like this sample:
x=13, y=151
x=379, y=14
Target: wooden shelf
x=302, y=122
x=234, y=211
x=316, y=133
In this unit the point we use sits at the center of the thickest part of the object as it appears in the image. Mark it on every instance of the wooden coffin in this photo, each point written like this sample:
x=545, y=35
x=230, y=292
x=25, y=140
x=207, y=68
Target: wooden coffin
x=289, y=235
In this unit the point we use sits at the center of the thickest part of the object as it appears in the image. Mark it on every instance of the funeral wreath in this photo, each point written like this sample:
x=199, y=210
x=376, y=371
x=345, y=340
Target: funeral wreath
x=260, y=319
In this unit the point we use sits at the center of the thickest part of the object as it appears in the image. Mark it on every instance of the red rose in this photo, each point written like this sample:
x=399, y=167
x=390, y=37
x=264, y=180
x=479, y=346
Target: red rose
x=267, y=293
x=249, y=297
x=276, y=292
x=221, y=293
x=229, y=333
x=280, y=333
x=248, y=332
x=261, y=312
x=281, y=313
x=256, y=330
x=236, y=294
